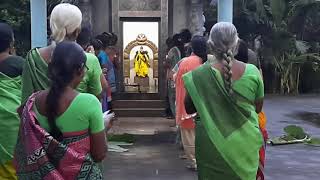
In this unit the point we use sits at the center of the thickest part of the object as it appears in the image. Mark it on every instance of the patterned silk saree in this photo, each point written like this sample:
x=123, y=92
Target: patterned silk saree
x=39, y=156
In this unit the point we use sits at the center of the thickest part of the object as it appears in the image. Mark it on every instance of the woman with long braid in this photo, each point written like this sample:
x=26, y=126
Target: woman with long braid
x=62, y=133
x=227, y=95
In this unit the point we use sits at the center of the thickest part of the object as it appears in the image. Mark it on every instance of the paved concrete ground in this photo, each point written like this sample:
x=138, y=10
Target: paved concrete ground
x=155, y=157
x=292, y=162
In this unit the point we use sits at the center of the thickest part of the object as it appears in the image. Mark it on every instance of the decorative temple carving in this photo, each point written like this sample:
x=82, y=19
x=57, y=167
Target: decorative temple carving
x=139, y=5
x=140, y=41
x=86, y=9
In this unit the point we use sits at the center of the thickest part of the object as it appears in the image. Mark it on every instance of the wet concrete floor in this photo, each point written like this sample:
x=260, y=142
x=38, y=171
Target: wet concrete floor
x=154, y=156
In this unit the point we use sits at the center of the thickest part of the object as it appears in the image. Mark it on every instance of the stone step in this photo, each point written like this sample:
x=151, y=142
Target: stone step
x=139, y=112
x=138, y=104
x=136, y=96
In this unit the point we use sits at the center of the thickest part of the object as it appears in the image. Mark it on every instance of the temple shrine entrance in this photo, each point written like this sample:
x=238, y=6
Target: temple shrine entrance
x=142, y=28
x=140, y=57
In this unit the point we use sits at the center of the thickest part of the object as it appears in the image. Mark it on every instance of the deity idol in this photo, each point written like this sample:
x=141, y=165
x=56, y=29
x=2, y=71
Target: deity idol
x=141, y=63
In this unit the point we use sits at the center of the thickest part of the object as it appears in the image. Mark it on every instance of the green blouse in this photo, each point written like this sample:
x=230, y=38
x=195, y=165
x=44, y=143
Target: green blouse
x=84, y=113
x=91, y=81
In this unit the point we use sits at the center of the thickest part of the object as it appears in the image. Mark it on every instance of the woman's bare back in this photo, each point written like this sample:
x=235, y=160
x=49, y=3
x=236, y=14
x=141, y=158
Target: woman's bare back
x=238, y=68
x=46, y=53
x=64, y=102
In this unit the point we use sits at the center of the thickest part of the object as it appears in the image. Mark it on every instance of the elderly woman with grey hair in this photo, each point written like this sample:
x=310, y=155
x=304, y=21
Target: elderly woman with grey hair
x=227, y=95
x=65, y=25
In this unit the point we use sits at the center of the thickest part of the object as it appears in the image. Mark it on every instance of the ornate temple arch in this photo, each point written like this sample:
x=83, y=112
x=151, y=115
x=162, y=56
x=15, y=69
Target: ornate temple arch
x=140, y=41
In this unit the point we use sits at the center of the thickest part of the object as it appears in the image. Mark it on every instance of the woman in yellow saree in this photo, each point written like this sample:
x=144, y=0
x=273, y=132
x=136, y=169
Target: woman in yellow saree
x=227, y=96
x=10, y=97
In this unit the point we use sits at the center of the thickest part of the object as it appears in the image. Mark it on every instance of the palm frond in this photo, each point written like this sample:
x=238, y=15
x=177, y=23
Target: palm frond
x=278, y=8
x=261, y=10
x=310, y=57
x=301, y=8
x=305, y=2
x=302, y=47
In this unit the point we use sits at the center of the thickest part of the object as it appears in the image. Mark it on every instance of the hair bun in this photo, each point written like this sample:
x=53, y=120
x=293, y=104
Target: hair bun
x=64, y=19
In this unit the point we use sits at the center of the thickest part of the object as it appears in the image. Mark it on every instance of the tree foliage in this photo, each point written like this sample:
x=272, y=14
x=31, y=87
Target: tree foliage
x=16, y=13
x=290, y=31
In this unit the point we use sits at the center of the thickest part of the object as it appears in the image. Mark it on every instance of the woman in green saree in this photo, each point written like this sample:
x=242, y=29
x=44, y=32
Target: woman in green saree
x=65, y=24
x=228, y=138
x=10, y=97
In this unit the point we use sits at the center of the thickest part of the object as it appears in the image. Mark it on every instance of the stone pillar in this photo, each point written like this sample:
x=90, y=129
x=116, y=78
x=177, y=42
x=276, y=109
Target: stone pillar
x=38, y=10
x=101, y=16
x=225, y=10
x=197, y=19
x=86, y=9
x=180, y=12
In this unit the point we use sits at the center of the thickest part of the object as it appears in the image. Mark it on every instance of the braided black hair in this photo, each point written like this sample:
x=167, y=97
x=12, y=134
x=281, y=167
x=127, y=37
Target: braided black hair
x=67, y=59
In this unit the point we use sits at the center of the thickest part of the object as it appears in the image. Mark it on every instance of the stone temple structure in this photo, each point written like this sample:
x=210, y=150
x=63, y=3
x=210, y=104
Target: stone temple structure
x=104, y=15
x=168, y=17
x=139, y=24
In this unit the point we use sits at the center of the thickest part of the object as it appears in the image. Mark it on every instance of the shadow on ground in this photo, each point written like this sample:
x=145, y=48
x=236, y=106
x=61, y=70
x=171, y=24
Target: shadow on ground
x=312, y=117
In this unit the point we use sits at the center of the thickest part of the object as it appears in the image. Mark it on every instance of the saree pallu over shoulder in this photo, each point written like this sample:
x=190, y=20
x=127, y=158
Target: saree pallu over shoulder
x=233, y=139
x=35, y=74
x=10, y=98
x=39, y=156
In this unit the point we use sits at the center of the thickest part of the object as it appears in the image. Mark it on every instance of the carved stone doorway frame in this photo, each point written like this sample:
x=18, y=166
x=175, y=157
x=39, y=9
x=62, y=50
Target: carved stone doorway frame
x=126, y=55
x=156, y=11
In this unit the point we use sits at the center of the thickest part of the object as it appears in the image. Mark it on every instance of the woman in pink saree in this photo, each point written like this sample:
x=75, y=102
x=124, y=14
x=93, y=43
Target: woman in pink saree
x=62, y=132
